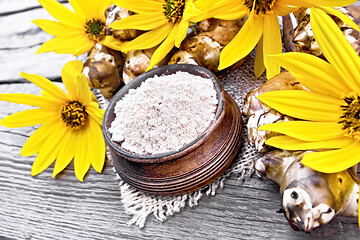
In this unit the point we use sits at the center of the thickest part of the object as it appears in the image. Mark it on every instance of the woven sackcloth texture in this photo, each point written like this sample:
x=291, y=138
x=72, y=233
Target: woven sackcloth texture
x=141, y=205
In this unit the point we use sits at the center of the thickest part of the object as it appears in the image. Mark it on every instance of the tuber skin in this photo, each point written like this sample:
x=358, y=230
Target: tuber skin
x=205, y=46
x=200, y=50
x=136, y=62
x=304, y=38
x=288, y=34
x=102, y=70
x=114, y=13
x=309, y=198
x=259, y=113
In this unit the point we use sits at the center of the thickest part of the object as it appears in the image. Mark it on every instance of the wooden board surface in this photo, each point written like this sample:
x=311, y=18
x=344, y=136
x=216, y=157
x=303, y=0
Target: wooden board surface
x=64, y=208
x=44, y=208
x=20, y=39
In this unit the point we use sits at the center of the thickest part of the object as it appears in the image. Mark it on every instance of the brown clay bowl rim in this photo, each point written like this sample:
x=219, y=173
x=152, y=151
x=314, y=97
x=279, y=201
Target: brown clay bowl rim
x=166, y=156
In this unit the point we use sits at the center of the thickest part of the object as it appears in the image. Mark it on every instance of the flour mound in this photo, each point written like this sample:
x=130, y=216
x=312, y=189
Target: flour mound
x=164, y=113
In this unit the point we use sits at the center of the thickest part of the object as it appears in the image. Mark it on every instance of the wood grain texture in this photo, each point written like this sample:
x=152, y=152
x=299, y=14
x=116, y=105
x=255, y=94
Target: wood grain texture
x=64, y=208
x=20, y=39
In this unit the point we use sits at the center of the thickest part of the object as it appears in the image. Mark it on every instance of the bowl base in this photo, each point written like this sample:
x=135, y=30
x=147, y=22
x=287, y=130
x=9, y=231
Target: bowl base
x=193, y=170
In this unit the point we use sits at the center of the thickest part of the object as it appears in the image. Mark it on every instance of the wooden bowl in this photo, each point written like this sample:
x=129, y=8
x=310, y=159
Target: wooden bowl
x=193, y=166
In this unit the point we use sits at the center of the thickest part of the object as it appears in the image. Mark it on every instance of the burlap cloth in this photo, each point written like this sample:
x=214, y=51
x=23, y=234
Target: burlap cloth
x=141, y=205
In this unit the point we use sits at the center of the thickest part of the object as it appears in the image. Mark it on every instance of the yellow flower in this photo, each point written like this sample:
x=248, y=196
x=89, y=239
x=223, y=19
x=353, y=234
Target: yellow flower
x=166, y=23
x=75, y=32
x=262, y=28
x=71, y=123
x=330, y=111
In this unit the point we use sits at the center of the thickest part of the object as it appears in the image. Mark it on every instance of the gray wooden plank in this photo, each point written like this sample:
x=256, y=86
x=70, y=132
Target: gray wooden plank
x=19, y=41
x=16, y=6
x=48, y=65
x=64, y=208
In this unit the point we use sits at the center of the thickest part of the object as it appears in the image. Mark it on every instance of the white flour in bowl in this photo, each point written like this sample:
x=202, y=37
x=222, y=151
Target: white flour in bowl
x=164, y=113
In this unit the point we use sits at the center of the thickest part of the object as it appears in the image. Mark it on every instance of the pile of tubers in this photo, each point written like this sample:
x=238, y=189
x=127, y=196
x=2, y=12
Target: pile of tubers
x=108, y=70
x=309, y=198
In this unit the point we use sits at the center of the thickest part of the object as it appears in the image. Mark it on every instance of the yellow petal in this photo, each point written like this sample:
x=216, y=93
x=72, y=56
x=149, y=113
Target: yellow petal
x=68, y=75
x=112, y=43
x=243, y=43
x=346, y=19
x=144, y=22
x=141, y=5
x=206, y=5
x=164, y=48
x=28, y=99
x=95, y=113
x=303, y=104
x=46, y=85
x=259, y=66
x=76, y=83
x=57, y=44
x=28, y=118
x=182, y=32
x=51, y=98
x=307, y=130
x=326, y=3
x=37, y=139
x=192, y=12
x=333, y=161
x=289, y=143
x=336, y=48
x=101, y=6
x=94, y=10
x=81, y=161
x=61, y=13
x=75, y=45
x=232, y=15
x=58, y=29
x=96, y=146
x=227, y=10
x=313, y=72
x=66, y=153
x=83, y=90
x=149, y=39
x=272, y=44
x=84, y=46
x=281, y=8
x=49, y=150
x=76, y=5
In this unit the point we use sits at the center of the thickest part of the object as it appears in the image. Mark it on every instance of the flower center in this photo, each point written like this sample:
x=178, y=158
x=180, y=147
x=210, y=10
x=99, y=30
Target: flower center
x=260, y=6
x=173, y=10
x=74, y=114
x=95, y=29
x=351, y=115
